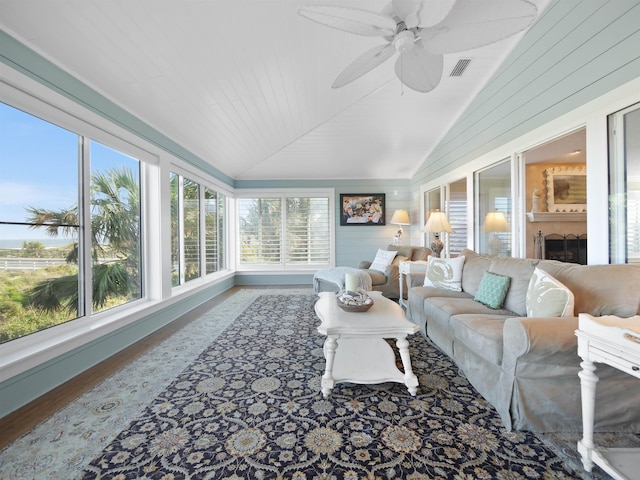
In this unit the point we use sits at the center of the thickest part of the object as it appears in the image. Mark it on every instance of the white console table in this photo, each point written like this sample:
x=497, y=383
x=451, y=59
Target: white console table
x=407, y=268
x=614, y=341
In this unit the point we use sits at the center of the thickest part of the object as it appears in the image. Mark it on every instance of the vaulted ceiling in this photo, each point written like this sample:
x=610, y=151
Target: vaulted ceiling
x=246, y=84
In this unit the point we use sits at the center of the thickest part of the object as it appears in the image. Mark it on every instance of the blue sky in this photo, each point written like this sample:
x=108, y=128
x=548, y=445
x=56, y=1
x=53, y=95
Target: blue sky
x=39, y=168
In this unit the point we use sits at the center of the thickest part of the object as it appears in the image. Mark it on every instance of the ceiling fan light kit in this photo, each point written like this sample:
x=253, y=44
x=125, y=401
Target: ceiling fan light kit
x=422, y=31
x=403, y=41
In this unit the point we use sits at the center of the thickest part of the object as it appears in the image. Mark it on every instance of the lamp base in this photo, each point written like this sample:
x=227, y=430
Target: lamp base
x=495, y=246
x=436, y=247
x=396, y=237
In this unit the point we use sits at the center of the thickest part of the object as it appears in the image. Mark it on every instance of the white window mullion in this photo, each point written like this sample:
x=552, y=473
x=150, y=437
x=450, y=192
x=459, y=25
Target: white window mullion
x=181, y=228
x=283, y=230
x=85, y=235
x=202, y=230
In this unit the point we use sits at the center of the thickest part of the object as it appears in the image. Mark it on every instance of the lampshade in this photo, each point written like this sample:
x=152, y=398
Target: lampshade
x=400, y=217
x=495, y=222
x=437, y=223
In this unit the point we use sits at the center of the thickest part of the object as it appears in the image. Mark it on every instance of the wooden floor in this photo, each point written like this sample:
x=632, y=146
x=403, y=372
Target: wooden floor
x=18, y=423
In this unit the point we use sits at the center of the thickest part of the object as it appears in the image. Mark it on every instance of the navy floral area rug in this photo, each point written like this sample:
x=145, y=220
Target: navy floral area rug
x=250, y=407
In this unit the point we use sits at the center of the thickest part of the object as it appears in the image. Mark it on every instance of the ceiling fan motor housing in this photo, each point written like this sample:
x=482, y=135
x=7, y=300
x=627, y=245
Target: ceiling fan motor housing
x=403, y=41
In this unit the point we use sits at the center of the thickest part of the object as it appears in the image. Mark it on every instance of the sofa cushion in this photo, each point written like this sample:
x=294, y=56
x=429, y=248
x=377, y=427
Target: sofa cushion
x=448, y=306
x=399, y=258
x=599, y=289
x=412, y=253
x=493, y=290
x=382, y=260
x=430, y=292
x=444, y=273
x=520, y=271
x=420, y=254
x=547, y=297
x=474, y=267
x=481, y=333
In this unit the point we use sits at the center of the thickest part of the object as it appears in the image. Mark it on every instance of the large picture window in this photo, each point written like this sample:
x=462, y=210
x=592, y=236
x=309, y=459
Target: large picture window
x=69, y=225
x=285, y=231
x=197, y=229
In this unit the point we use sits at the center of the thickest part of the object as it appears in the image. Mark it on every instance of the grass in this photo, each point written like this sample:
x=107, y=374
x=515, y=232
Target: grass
x=17, y=318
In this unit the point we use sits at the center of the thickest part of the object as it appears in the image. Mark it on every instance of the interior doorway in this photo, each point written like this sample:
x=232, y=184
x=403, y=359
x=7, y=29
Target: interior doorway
x=556, y=199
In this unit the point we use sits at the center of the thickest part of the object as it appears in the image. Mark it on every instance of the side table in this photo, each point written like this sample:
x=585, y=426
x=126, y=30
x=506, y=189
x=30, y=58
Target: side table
x=407, y=268
x=614, y=341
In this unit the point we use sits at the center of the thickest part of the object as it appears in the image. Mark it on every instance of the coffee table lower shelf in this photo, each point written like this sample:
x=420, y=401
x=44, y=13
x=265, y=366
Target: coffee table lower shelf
x=364, y=361
x=356, y=349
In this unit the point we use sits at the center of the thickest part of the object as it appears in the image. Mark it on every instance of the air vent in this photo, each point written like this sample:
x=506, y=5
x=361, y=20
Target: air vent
x=460, y=67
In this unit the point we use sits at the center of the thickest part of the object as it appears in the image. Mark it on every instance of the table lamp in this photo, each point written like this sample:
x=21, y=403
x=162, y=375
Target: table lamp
x=437, y=223
x=495, y=222
x=400, y=217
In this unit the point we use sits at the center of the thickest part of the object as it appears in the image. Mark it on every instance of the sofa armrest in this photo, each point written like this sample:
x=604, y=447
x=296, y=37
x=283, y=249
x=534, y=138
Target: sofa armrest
x=364, y=264
x=392, y=272
x=547, y=342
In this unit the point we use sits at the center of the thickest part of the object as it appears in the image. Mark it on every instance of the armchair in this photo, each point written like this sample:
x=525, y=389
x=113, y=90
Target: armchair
x=388, y=282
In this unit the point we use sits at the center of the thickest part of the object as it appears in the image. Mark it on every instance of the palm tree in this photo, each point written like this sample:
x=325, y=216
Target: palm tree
x=115, y=246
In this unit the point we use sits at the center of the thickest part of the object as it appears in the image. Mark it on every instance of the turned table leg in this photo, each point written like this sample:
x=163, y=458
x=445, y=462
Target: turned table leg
x=410, y=380
x=588, y=380
x=329, y=349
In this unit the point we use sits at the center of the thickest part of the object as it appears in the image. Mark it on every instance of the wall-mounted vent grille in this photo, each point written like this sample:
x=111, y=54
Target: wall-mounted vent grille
x=460, y=67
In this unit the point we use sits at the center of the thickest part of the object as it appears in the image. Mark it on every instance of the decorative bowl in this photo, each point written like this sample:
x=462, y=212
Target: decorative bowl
x=354, y=302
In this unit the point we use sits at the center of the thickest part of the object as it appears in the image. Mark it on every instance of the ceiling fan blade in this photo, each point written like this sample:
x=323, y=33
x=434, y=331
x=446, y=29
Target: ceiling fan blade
x=419, y=69
x=407, y=10
x=434, y=12
x=352, y=20
x=422, y=13
x=363, y=64
x=472, y=24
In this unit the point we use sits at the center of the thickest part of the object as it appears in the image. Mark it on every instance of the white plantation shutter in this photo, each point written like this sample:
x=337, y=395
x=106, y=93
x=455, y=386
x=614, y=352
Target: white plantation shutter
x=307, y=230
x=458, y=222
x=633, y=226
x=287, y=230
x=214, y=230
x=260, y=228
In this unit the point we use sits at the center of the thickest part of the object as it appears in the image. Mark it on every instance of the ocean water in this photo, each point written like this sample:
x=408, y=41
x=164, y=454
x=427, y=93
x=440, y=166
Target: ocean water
x=47, y=242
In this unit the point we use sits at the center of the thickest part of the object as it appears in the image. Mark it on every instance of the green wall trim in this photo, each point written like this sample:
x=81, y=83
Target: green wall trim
x=22, y=389
x=248, y=279
x=257, y=184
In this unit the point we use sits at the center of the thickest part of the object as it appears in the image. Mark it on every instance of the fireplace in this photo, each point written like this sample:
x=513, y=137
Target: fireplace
x=566, y=248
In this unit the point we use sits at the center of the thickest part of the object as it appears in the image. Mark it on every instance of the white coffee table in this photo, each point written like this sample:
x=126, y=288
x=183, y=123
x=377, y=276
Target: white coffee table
x=355, y=349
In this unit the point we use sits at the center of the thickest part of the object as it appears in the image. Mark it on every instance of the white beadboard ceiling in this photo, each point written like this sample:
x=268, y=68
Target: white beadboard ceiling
x=246, y=84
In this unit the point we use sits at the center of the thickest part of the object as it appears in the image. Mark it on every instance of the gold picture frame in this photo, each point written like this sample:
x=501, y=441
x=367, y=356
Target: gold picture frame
x=566, y=189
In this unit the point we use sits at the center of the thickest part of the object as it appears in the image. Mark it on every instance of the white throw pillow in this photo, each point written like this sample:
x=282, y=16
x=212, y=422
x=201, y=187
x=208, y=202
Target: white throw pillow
x=383, y=259
x=444, y=273
x=547, y=297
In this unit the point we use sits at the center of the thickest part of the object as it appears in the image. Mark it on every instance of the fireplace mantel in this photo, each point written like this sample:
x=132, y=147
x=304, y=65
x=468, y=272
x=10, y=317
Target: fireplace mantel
x=535, y=217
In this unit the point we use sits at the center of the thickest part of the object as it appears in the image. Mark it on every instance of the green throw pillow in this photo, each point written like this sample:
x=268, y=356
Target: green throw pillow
x=547, y=297
x=492, y=290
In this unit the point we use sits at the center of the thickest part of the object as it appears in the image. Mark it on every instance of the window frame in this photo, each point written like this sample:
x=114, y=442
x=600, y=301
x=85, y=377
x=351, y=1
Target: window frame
x=21, y=354
x=204, y=182
x=283, y=194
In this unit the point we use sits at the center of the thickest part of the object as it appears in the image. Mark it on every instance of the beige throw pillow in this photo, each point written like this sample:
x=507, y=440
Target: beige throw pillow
x=383, y=259
x=444, y=273
x=547, y=297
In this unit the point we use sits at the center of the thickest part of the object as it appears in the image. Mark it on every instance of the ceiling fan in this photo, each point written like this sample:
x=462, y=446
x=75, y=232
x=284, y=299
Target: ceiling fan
x=421, y=31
